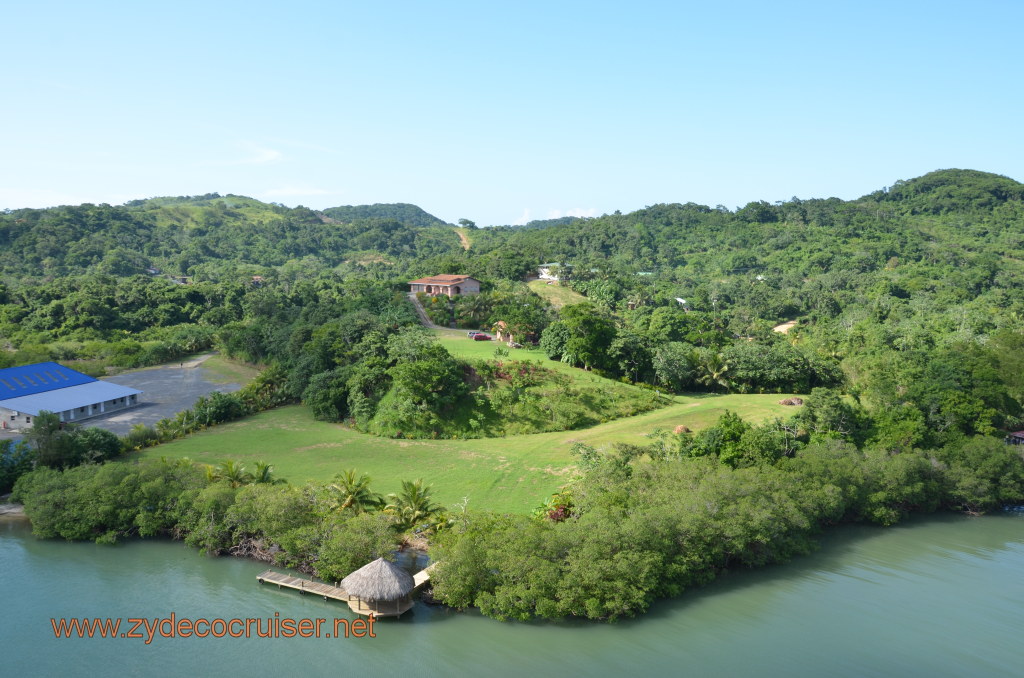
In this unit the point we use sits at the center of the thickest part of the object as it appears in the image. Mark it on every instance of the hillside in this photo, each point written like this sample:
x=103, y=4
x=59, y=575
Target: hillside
x=952, y=190
x=400, y=212
x=885, y=288
x=182, y=235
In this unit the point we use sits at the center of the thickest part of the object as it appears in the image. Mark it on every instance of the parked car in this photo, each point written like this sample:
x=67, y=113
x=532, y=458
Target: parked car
x=472, y=333
x=480, y=336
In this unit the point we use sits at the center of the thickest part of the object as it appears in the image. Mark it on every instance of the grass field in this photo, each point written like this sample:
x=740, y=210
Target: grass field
x=555, y=294
x=221, y=370
x=511, y=474
x=464, y=348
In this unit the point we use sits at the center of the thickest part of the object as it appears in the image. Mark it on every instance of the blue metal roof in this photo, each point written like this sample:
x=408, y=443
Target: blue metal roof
x=38, y=378
x=69, y=398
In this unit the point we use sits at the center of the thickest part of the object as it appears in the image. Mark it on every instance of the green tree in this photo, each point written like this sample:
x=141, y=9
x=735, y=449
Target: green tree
x=712, y=370
x=264, y=475
x=55, y=445
x=674, y=365
x=412, y=506
x=352, y=492
x=230, y=472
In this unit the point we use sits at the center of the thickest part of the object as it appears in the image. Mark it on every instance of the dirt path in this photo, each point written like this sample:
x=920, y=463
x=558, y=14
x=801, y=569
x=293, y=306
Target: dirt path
x=197, y=361
x=463, y=238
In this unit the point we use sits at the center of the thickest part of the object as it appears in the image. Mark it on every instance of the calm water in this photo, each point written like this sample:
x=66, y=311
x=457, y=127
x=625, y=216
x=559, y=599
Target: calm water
x=938, y=598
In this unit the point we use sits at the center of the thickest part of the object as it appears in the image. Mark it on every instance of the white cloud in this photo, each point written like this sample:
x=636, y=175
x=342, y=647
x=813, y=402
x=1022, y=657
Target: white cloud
x=524, y=219
x=292, y=143
x=574, y=212
x=293, y=191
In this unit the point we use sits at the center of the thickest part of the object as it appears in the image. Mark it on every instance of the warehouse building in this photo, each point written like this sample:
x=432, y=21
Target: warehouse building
x=30, y=389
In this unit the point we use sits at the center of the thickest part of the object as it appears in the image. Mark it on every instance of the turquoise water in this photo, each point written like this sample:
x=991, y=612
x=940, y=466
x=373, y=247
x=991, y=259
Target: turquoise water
x=942, y=597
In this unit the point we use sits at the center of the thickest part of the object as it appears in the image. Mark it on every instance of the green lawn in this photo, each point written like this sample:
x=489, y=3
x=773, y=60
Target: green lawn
x=503, y=474
x=223, y=370
x=555, y=294
x=464, y=348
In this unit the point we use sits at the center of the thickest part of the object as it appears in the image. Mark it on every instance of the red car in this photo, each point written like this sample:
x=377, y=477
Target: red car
x=481, y=337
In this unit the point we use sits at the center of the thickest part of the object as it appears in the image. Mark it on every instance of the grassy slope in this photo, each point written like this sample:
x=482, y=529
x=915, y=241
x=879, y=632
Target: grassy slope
x=221, y=370
x=464, y=348
x=503, y=474
x=603, y=398
x=515, y=473
x=556, y=295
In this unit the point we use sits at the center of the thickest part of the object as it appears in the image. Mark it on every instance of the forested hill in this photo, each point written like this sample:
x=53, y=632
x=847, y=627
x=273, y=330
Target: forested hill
x=182, y=235
x=544, y=223
x=401, y=212
x=951, y=191
x=955, y=218
x=960, y=211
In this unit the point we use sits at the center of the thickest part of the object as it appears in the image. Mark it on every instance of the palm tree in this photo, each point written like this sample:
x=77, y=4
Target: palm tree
x=165, y=427
x=712, y=370
x=353, y=492
x=231, y=472
x=413, y=505
x=265, y=474
x=474, y=306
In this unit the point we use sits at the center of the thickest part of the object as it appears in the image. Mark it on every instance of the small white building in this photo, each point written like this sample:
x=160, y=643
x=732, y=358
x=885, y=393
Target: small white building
x=552, y=271
x=30, y=389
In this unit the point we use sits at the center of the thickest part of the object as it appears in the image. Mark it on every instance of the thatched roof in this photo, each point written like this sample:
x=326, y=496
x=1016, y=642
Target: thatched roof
x=379, y=580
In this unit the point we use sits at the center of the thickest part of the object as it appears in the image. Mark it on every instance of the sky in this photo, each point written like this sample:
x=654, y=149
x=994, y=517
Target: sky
x=503, y=112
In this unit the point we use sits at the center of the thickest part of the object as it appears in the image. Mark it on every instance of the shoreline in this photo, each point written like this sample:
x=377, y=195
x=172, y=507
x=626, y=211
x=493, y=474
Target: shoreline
x=12, y=510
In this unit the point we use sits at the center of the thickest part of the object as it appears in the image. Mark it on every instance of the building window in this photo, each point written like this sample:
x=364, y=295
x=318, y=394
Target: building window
x=28, y=419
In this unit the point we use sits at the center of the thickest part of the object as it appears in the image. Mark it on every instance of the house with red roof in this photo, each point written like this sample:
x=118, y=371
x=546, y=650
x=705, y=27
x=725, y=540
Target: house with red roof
x=448, y=285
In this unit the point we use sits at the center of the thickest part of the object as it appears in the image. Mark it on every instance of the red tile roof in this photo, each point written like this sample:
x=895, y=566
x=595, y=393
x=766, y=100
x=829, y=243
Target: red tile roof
x=442, y=280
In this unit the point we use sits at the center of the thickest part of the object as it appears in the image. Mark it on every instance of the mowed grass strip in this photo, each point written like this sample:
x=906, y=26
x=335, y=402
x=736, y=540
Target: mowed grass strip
x=513, y=474
x=222, y=370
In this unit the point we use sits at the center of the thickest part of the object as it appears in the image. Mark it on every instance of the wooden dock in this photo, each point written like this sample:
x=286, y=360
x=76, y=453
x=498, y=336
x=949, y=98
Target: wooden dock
x=328, y=592
x=303, y=585
x=422, y=577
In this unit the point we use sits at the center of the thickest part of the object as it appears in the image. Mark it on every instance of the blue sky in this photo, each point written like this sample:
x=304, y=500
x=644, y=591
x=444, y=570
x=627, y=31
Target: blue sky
x=506, y=113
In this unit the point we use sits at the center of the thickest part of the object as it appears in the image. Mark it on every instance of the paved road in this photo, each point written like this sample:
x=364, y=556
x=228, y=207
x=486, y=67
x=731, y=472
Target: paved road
x=424, y=318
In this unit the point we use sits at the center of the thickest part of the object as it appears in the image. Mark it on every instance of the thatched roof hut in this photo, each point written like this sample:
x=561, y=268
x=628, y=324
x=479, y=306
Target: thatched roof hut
x=381, y=588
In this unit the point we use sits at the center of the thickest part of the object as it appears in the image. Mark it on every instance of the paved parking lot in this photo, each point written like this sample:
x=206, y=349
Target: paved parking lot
x=165, y=392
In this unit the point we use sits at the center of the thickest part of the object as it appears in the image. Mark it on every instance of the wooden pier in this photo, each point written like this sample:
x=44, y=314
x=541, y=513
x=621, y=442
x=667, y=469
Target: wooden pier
x=422, y=577
x=328, y=592
x=303, y=585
